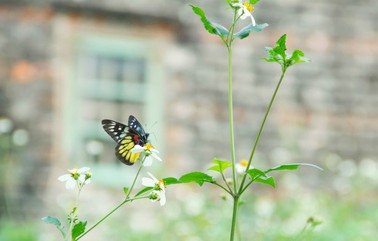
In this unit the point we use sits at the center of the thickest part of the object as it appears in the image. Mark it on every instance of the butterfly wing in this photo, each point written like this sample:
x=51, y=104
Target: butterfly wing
x=136, y=127
x=116, y=130
x=123, y=150
x=127, y=136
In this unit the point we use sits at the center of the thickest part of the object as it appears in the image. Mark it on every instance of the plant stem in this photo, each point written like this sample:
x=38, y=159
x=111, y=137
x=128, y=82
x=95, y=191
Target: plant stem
x=230, y=103
x=225, y=182
x=136, y=177
x=261, y=129
x=234, y=218
x=231, y=117
x=127, y=199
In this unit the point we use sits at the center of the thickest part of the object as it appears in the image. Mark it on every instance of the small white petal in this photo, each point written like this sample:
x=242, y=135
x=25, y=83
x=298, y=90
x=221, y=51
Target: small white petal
x=71, y=184
x=253, y=20
x=153, y=150
x=73, y=170
x=162, y=198
x=153, y=177
x=83, y=169
x=137, y=148
x=156, y=157
x=64, y=177
x=148, y=182
x=82, y=178
x=148, y=161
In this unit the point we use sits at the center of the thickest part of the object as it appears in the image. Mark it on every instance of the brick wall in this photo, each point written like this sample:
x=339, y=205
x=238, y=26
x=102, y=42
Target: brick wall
x=26, y=94
x=326, y=106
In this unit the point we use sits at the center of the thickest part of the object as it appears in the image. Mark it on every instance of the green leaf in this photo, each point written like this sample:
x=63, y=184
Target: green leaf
x=266, y=180
x=55, y=221
x=292, y=166
x=220, y=165
x=213, y=28
x=144, y=190
x=52, y=220
x=255, y=173
x=253, y=2
x=221, y=31
x=297, y=57
x=170, y=181
x=278, y=54
x=198, y=177
x=244, y=32
x=78, y=229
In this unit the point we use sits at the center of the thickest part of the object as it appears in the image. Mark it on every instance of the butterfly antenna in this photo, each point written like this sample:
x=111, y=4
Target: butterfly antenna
x=152, y=133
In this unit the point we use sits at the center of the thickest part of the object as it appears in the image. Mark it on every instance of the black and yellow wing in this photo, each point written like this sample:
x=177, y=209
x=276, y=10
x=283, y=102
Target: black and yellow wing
x=126, y=136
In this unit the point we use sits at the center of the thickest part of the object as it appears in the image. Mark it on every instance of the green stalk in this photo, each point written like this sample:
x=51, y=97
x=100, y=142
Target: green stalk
x=110, y=213
x=234, y=218
x=241, y=190
x=230, y=101
x=231, y=117
x=127, y=199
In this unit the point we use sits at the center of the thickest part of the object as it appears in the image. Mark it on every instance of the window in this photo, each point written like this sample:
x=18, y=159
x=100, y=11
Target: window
x=111, y=79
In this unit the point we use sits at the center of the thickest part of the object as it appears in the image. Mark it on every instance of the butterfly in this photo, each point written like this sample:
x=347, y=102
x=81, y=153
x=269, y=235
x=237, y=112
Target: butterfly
x=126, y=136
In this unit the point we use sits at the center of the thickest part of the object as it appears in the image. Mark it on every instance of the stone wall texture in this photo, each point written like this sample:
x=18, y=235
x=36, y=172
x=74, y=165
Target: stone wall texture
x=328, y=106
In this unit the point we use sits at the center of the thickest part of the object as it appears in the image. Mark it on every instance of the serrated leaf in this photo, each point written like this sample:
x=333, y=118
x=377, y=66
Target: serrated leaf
x=278, y=54
x=220, y=165
x=55, y=221
x=266, y=180
x=170, y=181
x=297, y=57
x=78, y=229
x=292, y=166
x=144, y=190
x=213, y=28
x=244, y=32
x=198, y=177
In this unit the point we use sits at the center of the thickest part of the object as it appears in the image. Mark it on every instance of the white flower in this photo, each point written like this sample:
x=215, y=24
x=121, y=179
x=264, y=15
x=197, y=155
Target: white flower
x=244, y=10
x=75, y=177
x=149, y=151
x=241, y=167
x=158, y=186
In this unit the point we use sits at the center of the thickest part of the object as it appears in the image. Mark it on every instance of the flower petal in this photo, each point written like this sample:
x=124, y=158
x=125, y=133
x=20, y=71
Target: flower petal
x=71, y=184
x=137, y=148
x=64, y=177
x=83, y=169
x=153, y=177
x=156, y=157
x=148, y=161
x=162, y=198
x=82, y=178
x=148, y=182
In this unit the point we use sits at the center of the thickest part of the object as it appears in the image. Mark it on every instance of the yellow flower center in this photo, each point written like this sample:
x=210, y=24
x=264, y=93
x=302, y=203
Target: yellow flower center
x=148, y=146
x=248, y=6
x=74, y=170
x=161, y=183
x=244, y=163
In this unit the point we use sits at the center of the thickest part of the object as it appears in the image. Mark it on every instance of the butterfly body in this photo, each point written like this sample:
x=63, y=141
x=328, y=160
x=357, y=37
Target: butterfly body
x=126, y=137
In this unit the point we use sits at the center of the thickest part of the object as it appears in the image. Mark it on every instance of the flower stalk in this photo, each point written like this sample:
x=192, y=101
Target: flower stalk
x=242, y=188
x=127, y=199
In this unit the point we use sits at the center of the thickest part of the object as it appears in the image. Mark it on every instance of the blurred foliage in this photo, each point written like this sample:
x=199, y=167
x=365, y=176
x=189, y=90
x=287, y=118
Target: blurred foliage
x=281, y=214
x=14, y=231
